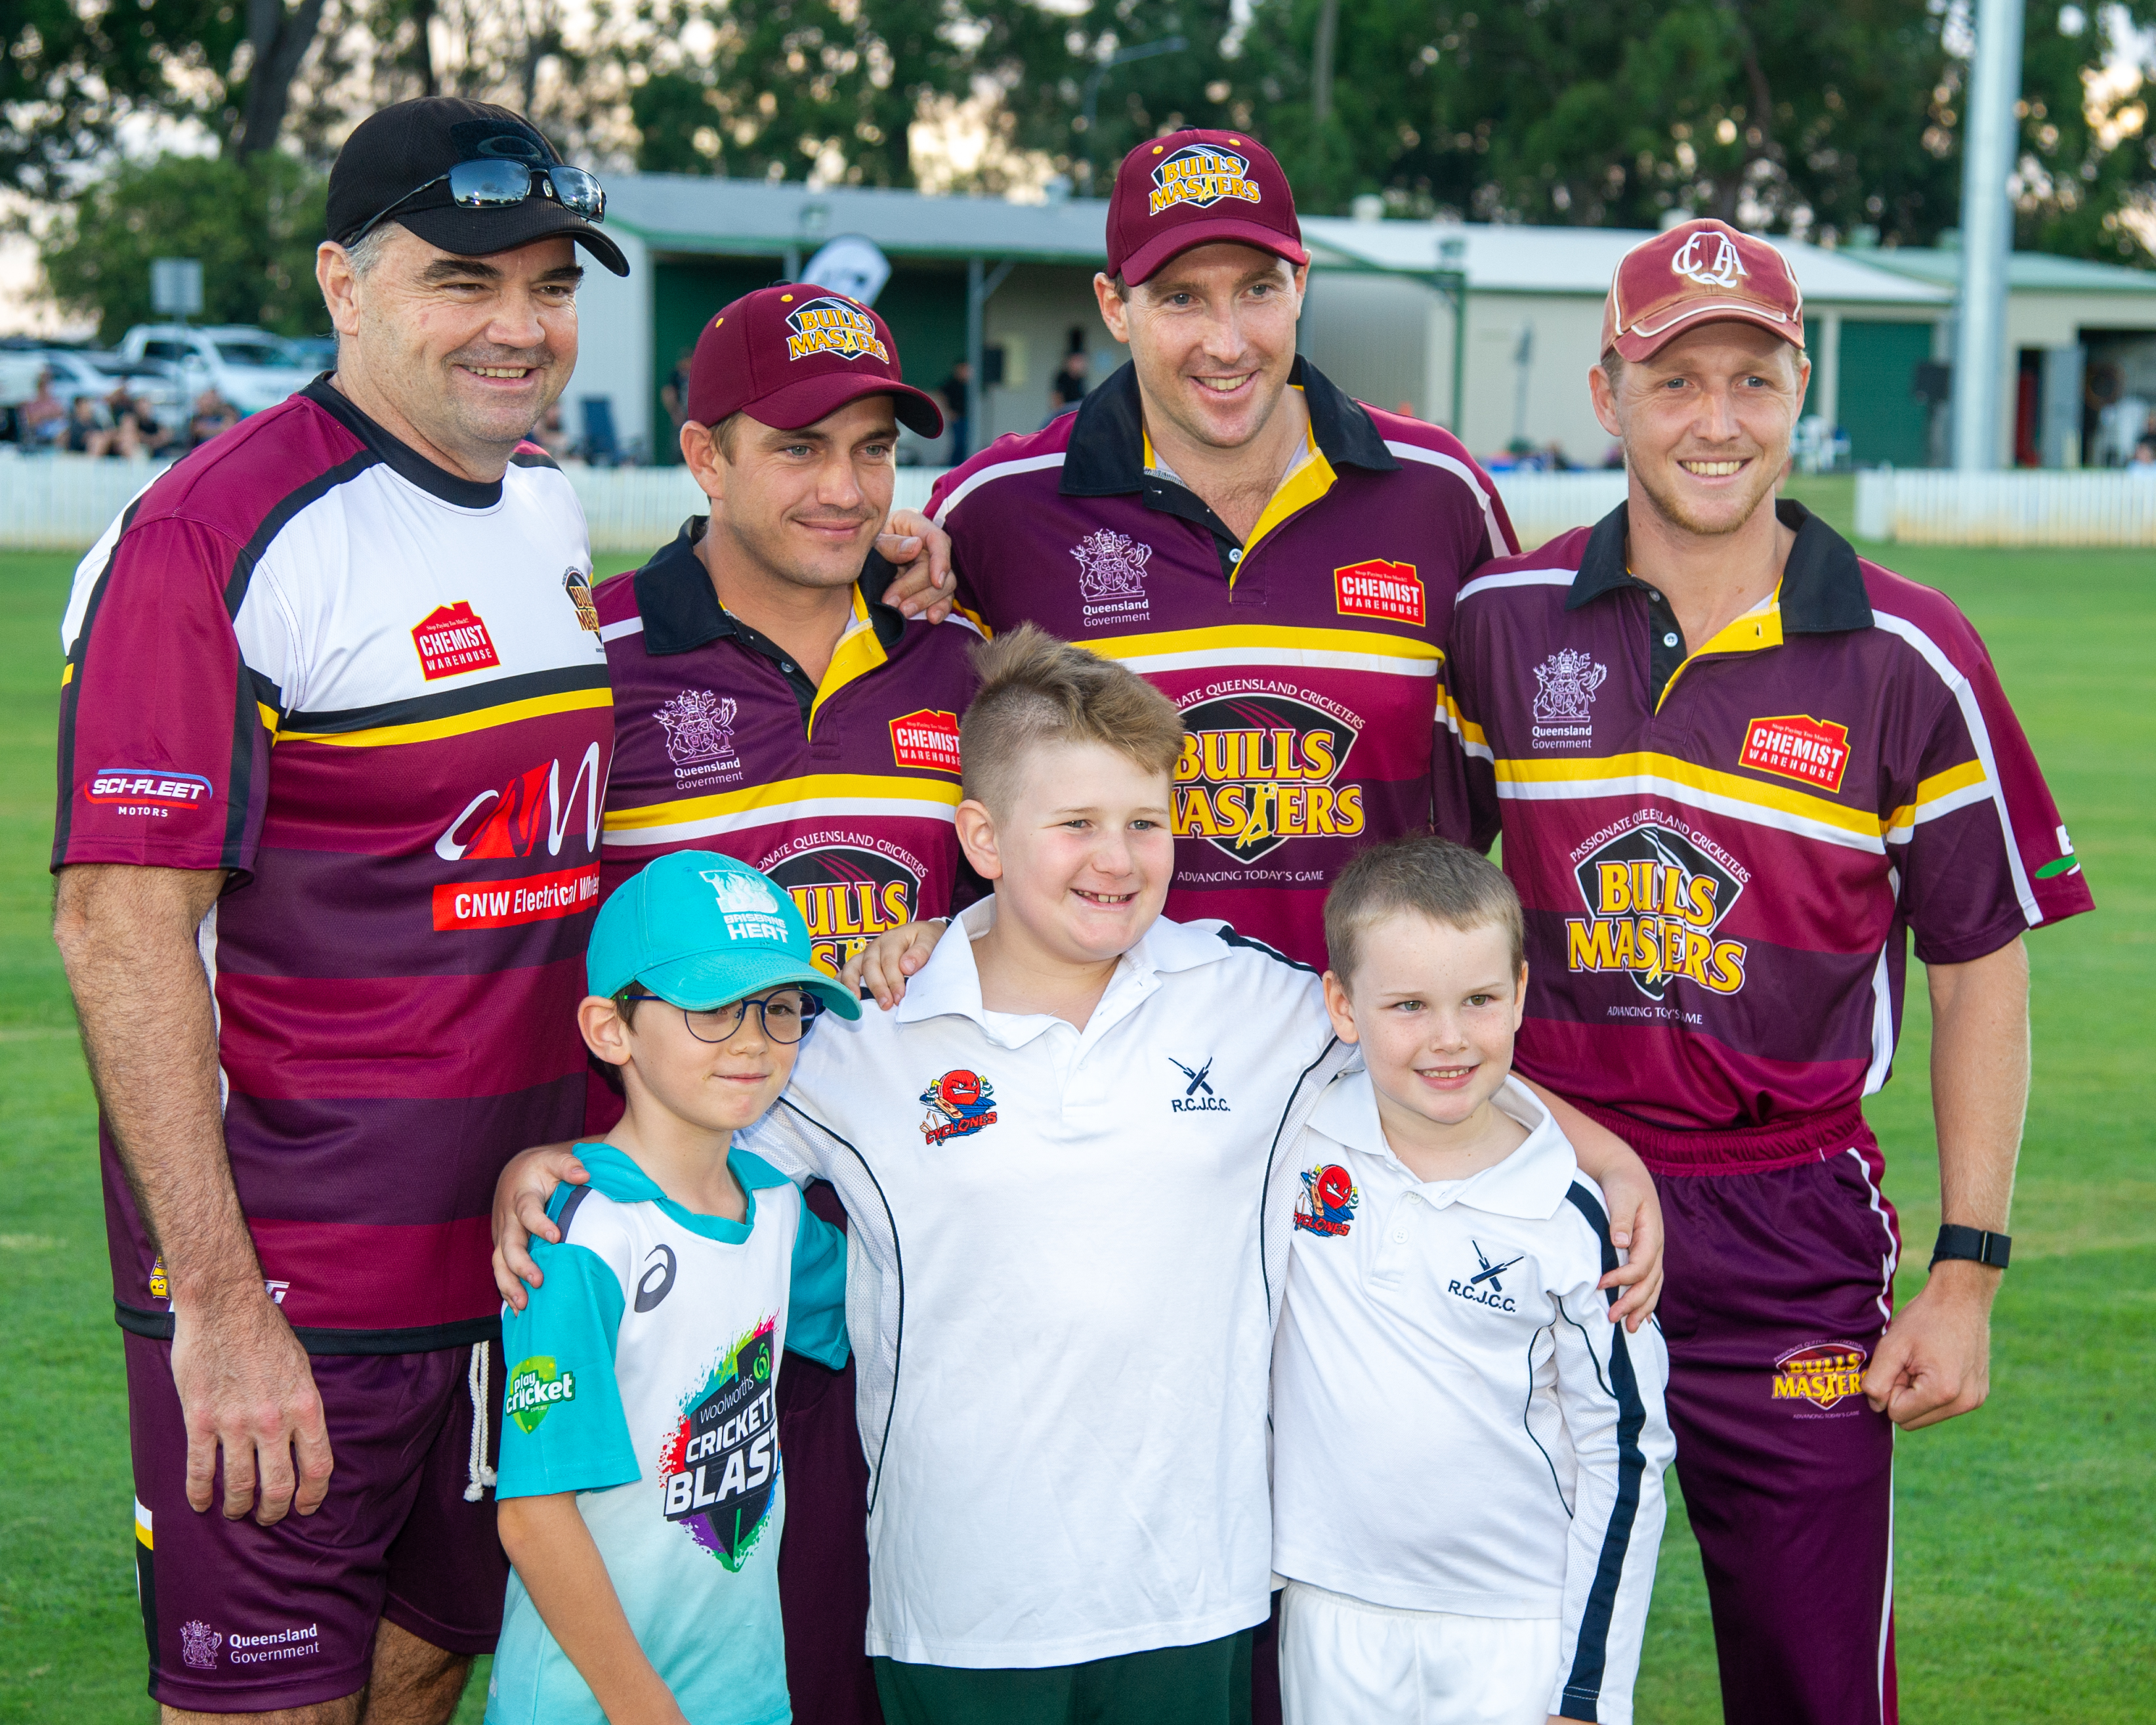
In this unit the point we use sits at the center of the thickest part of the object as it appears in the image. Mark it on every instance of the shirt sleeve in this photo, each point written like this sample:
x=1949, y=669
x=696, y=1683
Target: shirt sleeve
x=1977, y=839
x=563, y=1428
x=1610, y=1387
x=816, y=1300
x=165, y=726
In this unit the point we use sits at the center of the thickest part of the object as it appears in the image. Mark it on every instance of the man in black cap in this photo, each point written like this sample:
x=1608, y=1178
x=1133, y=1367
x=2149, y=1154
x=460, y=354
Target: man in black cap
x=336, y=730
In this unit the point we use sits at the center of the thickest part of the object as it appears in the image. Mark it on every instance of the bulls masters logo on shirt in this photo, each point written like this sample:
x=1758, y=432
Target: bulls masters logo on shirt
x=1261, y=766
x=721, y=1467
x=1656, y=892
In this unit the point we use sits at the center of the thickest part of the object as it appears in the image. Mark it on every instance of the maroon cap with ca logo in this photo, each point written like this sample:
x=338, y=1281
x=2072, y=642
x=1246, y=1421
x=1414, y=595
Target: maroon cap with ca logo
x=1193, y=189
x=1699, y=272
x=791, y=354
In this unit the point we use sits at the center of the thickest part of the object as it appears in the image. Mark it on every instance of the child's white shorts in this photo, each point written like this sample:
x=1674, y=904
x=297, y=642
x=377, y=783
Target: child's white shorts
x=1345, y=1662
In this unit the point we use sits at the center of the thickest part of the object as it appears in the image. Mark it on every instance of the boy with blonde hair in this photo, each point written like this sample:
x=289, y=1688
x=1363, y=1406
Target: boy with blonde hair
x=1444, y=1321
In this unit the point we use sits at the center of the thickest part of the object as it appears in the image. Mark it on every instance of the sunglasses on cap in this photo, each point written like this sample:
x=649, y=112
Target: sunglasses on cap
x=498, y=184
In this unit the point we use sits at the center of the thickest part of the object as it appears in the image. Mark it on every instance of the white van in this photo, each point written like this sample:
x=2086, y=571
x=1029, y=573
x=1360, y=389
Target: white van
x=249, y=367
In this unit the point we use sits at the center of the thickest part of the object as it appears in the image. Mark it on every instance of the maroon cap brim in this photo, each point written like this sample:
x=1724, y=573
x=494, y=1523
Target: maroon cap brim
x=802, y=404
x=1637, y=344
x=1186, y=236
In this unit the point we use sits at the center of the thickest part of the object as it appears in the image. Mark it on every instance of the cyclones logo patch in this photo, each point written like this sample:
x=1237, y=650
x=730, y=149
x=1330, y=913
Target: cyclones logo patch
x=830, y=325
x=1200, y=175
x=721, y=1465
x=960, y=1103
x=1821, y=1373
x=1259, y=769
x=1654, y=899
x=848, y=895
x=1326, y=1205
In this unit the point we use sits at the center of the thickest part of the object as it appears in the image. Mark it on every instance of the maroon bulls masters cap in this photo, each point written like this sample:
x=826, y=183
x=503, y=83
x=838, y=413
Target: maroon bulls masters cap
x=1699, y=272
x=788, y=355
x=1195, y=187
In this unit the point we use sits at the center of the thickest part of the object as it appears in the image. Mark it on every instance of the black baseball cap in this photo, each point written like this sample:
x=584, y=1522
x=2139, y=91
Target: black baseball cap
x=391, y=154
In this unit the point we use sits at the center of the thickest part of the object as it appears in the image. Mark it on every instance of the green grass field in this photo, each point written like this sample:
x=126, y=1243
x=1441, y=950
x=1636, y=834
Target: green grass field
x=2026, y=1580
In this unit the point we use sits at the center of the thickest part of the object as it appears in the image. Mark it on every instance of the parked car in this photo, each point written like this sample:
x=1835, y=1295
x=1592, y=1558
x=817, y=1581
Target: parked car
x=315, y=354
x=249, y=367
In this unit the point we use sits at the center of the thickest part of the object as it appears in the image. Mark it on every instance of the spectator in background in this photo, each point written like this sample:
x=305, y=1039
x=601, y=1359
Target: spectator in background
x=135, y=430
x=2143, y=464
x=958, y=392
x=1069, y=385
x=213, y=414
x=552, y=434
x=674, y=393
x=84, y=434
x=39, y=420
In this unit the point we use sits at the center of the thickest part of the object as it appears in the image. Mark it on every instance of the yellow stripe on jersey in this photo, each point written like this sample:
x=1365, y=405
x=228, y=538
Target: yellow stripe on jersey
x=1610, y=774
x=460, y=725
x=67, y=674
x=142, y=1531
x=1311, y=477
x=1952, y=785
x=270, y=717
x=816, y=788
x=859, y=652
x=1754, y=632
x=1230, y=638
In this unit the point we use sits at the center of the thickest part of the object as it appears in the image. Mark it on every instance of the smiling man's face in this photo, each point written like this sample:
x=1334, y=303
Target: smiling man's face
x=1706, y=422
x=1212, y=333
x=469, y=352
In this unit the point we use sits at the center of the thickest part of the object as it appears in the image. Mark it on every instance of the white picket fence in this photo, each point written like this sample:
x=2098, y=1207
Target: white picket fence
x=2110, y=506
x=64, y=502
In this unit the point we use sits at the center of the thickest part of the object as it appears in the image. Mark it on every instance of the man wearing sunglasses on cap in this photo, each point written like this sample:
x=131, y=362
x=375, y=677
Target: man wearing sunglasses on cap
x=336, y=728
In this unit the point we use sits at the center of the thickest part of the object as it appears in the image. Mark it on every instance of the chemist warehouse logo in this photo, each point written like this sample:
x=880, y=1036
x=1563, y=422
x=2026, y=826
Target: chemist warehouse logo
x=1654, y=898
x=1198, y=176
x=833, y=326
x=1258, y=770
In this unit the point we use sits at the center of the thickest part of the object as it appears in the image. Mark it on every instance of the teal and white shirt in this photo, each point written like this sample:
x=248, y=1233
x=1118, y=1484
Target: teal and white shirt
x=642, y=1375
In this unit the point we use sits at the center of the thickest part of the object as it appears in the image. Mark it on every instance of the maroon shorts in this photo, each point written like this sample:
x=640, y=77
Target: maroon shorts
x=1780, y=1283
x=242, y=1619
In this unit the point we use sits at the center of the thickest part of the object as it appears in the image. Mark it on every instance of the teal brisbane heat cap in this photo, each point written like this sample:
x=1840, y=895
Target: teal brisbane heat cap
x=702, y=929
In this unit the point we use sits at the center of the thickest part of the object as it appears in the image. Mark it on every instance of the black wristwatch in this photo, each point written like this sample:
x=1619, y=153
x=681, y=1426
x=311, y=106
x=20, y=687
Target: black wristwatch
x=1975, y=1244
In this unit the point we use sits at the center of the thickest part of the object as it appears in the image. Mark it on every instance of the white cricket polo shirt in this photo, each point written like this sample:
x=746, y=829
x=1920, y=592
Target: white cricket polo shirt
x=1457, y=1425
x=1057, y=1292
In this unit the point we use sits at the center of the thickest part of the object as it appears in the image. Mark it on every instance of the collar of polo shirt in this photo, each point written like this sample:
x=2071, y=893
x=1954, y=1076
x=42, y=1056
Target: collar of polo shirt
x=950, y=983
x=1822, y=589
x=1531, y=1182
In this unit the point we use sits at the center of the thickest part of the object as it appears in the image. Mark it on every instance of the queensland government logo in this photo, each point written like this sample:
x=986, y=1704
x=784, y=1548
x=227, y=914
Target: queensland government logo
x=719, y=1468
x=1200, y=175
x=1326, y=1205
x=198, y=1645
x=1111, y=569
x=849, y=891
x=1564, y=699
x=1260, y=767
x=700, y=728
x=1655, y=896
x=1821, y=1373
x=960, y=1103
x=830, y=325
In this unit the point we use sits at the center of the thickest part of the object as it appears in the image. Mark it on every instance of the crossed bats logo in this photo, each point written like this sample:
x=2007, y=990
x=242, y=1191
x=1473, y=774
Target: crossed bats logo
x=1490, y=1272
x=1197, y=1078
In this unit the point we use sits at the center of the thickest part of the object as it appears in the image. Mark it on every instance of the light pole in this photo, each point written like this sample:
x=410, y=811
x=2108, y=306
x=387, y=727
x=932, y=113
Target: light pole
x=1989, y=148
x=1121, y=57
x=1449, y=279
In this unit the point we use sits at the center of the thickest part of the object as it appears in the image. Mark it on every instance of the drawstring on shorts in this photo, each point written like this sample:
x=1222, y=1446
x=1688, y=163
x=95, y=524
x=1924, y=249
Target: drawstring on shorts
x=477, y=1474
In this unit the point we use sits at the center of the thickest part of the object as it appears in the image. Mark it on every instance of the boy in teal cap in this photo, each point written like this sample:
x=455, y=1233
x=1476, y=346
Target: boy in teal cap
x=640, y=1493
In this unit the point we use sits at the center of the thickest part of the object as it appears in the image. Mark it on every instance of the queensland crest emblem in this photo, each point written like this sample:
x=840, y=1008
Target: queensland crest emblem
x=198, y=1645
x=700, y=726
x=1724, y=269
x=1111, y=566
x=960, y=1103
x=1568, y=680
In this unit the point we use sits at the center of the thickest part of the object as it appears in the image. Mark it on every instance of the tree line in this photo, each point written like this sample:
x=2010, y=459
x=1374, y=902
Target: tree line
x=1839, y=123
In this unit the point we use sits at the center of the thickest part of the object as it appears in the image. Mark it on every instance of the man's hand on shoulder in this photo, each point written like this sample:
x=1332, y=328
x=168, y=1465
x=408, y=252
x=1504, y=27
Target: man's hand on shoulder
x=246, y=1388
x=882, y=966
x=921, y=551
x=1934, y=1362
x=520, y=1212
